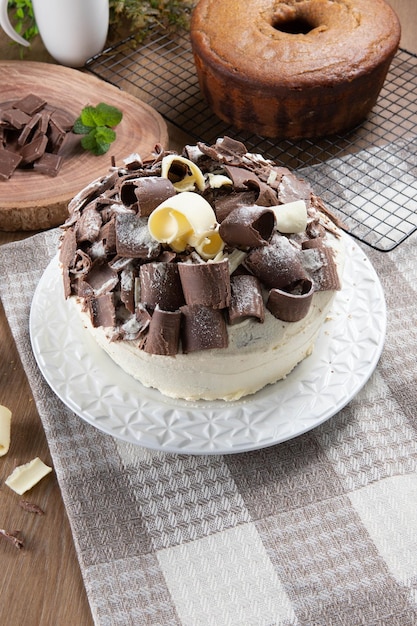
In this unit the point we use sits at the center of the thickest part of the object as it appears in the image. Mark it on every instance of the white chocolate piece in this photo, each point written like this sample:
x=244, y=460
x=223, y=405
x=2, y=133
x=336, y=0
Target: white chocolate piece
x=190, y=181
x=290, y=217
x=208, y=244
x=216, y=181
x=26, y=476
x=5, y=426
x=179, y=219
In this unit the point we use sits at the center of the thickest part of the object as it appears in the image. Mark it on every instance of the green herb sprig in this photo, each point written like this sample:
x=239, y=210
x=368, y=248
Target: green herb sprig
x=97, y=124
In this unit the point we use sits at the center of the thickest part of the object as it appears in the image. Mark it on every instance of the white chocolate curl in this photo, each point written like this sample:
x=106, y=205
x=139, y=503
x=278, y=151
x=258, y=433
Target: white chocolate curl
x=194, y=178
x=290, y=217
x=186, y=219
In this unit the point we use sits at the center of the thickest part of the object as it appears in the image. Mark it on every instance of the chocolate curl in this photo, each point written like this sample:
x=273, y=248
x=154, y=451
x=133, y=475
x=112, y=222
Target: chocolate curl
x=163, y=334
x=151, y=191
x=101, y=278
x=246, y=299
x=265, y=196
x=127, y=288
x=202, y=328
x=278, y=265
x=248, y=227
x=319, y=261
x=160, y=286
x=291, y=307
x=206, y=284
x=133, y=238
x=292, y=188
x=241, y=178
x=89, y=224
x=68, y=248
x=102, y=311
x=227, y=203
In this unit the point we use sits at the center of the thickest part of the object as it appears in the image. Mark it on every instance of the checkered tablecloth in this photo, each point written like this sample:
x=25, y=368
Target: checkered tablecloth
x=320, y=530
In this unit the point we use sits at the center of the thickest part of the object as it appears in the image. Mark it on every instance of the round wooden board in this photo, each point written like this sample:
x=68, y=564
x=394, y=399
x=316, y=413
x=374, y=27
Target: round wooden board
x=33, y=201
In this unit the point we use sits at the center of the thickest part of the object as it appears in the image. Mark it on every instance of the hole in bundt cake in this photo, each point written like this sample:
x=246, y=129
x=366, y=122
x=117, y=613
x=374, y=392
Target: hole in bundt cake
x=294, y=26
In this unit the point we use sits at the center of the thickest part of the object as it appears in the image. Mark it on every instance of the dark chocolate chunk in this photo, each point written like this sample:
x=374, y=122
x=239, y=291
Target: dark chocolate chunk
x=8, y=163
x=48, y=164
x=30, y=104
x=160, y=286
x=202, y=328
x=133, y=238
x=102, y=311
x=206, y=284
x=248, y=227
x=277, y=265
x=246, y=299
x=163, y=333
x=33, y=151
x=28, y=128
x=66, y=256
x=14, y=117
x=291, y=306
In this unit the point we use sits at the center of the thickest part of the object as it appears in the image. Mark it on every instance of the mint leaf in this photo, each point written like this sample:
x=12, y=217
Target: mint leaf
x=89, y=142
x=107, y=115
x=96, y=124
x=104, y=134
x=88, y=117
x=79, y=128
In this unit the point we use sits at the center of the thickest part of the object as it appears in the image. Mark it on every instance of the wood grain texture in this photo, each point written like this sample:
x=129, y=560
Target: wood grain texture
x=30, y=200
x=41, y=584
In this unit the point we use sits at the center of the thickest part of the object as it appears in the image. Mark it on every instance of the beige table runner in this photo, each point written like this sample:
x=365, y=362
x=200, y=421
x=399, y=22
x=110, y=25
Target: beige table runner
x=320, y=530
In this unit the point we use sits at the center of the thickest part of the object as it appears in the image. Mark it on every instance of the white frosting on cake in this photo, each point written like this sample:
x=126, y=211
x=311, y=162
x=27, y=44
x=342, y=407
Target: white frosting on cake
x=258, y=354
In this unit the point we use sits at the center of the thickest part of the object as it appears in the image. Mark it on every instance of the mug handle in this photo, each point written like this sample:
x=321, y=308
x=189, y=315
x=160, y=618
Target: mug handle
x=6, y=25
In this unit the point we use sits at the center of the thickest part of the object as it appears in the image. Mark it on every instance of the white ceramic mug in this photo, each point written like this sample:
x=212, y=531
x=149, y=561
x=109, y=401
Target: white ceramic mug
x=71, y=30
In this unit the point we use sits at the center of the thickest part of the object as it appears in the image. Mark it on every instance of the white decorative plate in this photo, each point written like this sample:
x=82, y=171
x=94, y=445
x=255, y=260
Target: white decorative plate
x=96, y=389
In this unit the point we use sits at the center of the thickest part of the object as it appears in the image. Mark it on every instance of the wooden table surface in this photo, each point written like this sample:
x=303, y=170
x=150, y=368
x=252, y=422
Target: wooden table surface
x=41, y=585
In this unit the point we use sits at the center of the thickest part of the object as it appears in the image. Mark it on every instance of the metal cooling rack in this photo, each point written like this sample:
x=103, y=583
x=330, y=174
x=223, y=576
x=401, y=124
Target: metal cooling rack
x=368, y=176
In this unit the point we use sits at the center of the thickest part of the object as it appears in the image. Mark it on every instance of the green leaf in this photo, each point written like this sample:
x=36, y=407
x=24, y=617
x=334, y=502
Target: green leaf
x=88, y=142
x=107, y=115
x=104, y=134
x=79, y=128
x=88, y=117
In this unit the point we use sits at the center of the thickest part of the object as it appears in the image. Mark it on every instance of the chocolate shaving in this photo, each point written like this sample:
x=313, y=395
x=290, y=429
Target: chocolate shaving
x=147, y=192
x=241, y=178
x=246, y=299
x=101, y=278
x=320, y=264
x=291, y=307
x=206, y=284
x=202, y=328
x=127, y=288
x=248, y=227
x=12, y=536
x=102, y=311
x=277, y=265
x=133, y=238
x=160, y=286
x=164, y=332
x=30, y=507
x=223, y=205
